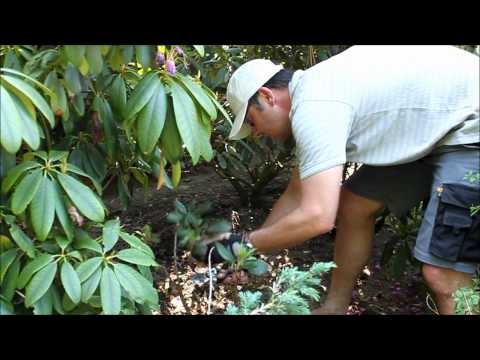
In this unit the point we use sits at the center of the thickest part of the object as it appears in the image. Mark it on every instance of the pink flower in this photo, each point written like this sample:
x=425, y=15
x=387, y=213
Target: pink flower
x=171, y=67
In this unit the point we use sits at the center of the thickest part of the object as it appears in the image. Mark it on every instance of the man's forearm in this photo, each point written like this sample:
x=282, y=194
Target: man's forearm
x=291, y=230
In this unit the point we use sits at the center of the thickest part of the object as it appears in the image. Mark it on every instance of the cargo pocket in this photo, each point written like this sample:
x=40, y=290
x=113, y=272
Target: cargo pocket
x=456, y=233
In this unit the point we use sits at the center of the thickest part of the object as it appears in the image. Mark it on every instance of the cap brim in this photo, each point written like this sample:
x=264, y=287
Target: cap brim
x=240, y=130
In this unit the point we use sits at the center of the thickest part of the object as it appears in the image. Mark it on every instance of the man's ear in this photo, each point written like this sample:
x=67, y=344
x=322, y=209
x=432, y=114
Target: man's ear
x=268, y=95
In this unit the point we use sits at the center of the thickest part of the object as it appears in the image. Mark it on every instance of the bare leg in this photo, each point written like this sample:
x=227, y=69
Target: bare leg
x=444, y=282
x=353, y=244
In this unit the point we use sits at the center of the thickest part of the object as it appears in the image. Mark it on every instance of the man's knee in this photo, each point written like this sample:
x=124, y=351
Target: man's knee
x=353, y=207
x=444, y=282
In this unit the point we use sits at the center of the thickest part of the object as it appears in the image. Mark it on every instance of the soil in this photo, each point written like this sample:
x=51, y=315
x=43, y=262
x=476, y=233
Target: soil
x=376, y=292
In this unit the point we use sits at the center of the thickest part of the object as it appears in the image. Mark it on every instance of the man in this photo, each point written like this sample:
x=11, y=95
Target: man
x=410, y=115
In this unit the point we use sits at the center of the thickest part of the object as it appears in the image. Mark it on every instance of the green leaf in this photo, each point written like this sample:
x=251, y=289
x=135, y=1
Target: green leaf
x=57, y=300
x=33, y=95
x=91, y=284
x=72, y=79
x=6, y=308
x=9, y=283
x=176, y=173
x=144, y=54
x=79, y=104
x=84, y=241
x=61, y=211
x=256, y=267
x=213, y=97
x=135, y=284
x=71, y=282
x=118, y=95
x=26, y=111
x=75, y=54
x=29, y=78
x=32, y=267
x=109, y=126
x=142, y=93
x=200, y=49
x=170, y=140
x=151, y=120
x=11, y=126
x=25, y=191
x=40, y=283
x=200, y=96
x=42, y=209
x=14, y=173
x=62, y=241
x=87, y=268
x=135, y=256
x=111, y=231
x=94, y=58
x=96, y=160
x=224, y=252
x=22, y=240
x=78, y=171
x=136, y=243
x=83, y=198
x=110, y=292
x=192, y=132
x=44, y=305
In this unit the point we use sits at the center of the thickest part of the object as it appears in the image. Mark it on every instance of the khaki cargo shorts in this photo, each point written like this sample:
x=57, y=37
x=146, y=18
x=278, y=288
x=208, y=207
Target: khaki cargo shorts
x=449, y=235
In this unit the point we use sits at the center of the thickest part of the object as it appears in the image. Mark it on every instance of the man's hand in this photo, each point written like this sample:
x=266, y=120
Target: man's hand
x=230, y=240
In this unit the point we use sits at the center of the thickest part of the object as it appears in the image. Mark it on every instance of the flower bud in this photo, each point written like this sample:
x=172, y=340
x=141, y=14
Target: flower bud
x=171, y=67
x=179, y=50
x=160, y=58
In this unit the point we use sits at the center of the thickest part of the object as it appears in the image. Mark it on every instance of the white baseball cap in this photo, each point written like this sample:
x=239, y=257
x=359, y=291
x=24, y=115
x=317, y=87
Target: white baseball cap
x=243, y=84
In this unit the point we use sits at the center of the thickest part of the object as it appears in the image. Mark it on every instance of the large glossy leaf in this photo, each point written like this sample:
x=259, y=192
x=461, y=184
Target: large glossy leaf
x=14, y=173
x=91, y=284
x=136, y=243
x=94, y=58
x=135, y=256
x=151, y=120
x=142, y=93
x=170, y=140
x=87, y=268
x=111, y=231
x=135, y=284
x=31, y=130
x=144, y=54
x=96, y=161
x=32, y=267
x=72, y=79
x=61, y=211
x=109, y=126
x=200, y=49
x=200, y=96
x=44, y=306
x=33, y=95
x=118, y=95
x=40, y=283
x=42, y=208
x=56, y=299
x=78, y=171
x=25, y=191
x=213, y=97
x=9, y=283
x=22, y=240
x=75, y=54
x=6, y=259
x=71, y=282
x=82, y=197
x=110, y=292
x=11, y=125
x=192, y=131
x=84, y=241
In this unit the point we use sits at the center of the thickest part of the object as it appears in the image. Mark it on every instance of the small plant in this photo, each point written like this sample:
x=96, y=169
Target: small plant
x=244, y=260
x=467, y=299
x=289, y=295
x=192, y=226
